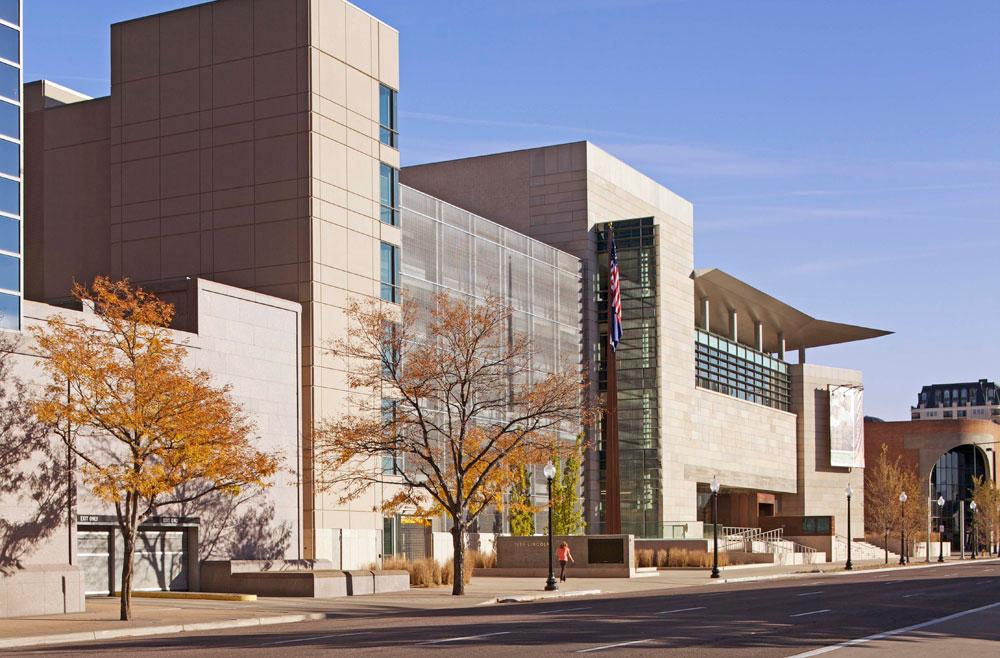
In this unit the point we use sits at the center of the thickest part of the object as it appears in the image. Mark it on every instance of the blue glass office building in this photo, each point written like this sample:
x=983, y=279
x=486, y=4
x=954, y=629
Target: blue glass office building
x=11, y=270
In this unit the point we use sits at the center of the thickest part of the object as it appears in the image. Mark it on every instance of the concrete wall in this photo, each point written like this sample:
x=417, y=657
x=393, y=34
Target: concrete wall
x=39, y=574
x=820, y=487
x=246, y=340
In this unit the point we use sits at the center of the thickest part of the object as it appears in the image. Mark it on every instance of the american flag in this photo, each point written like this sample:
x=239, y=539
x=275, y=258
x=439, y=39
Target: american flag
x=614, y=294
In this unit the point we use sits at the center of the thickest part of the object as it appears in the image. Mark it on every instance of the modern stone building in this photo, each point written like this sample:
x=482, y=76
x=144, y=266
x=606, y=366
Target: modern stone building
x=704, y=387
x=248, y=142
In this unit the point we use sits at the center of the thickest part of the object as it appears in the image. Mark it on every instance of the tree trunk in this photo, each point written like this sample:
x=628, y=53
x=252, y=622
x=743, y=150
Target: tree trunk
x=458, y=542
x=126, y=593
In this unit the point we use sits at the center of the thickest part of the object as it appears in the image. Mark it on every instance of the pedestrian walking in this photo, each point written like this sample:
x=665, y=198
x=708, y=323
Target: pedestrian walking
x=564, y=555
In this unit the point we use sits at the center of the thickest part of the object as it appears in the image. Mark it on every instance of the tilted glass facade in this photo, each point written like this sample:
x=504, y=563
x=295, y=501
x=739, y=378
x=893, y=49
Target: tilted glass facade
x=724, y=366
x=11, y=268
x=638, y=384
x=447, y=249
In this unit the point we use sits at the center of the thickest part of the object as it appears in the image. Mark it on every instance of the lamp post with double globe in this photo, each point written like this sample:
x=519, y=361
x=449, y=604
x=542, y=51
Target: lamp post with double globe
x=715, y=526
x=940, y=502
x=849, y=492
x=902, y=528
x=550, y=472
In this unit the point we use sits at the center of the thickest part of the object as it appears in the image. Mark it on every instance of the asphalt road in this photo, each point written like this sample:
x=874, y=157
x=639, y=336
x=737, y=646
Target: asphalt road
x=771, y=618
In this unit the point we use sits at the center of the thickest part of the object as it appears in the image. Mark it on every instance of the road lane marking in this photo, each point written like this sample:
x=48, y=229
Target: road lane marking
x=552, y=612
x=892, y=633
x=464, y=637
x=612, y=646
x=814, y=612
x=314, y=637
x=809, y=593
x=670, y=612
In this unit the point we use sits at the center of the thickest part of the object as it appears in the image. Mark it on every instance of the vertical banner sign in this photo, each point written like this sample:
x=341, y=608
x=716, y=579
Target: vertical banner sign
x=847, y=426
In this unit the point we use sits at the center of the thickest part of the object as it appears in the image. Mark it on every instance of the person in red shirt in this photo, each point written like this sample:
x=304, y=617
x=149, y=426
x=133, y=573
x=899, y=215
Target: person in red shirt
x=564, y=555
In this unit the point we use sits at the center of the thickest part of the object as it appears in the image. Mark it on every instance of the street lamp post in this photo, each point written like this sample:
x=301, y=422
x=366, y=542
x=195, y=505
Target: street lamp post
x=940, y=502
x=902, y=528
x=550, y=472
x=715, y=526
x=848, y=491
x=975, y=540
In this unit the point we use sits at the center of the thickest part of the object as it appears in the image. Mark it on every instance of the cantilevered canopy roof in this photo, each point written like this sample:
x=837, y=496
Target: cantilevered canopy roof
x=726, y=293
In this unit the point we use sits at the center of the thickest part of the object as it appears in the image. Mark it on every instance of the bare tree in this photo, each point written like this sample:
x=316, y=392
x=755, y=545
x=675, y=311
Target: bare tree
x=453, y=400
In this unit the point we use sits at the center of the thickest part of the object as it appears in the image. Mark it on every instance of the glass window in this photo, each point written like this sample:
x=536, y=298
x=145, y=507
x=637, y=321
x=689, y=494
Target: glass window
x=390, y=273
x=10, y=120
x=388, y=133
x=10, y=11
x=10, y=196
x=389, y=194
x=10, y=238
x=10, y=81
x=10, y=311
x=10, y=158
x=10, y=272
x=10, y=44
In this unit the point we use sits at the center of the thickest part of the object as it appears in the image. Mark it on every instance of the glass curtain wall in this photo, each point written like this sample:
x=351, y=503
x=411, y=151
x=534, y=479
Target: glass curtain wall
x=11, y=269
x=447, y=249
x=638, y=388
x=727, y=367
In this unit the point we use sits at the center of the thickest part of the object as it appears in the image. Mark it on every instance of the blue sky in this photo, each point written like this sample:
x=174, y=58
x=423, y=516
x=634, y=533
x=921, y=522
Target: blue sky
x=842, y=156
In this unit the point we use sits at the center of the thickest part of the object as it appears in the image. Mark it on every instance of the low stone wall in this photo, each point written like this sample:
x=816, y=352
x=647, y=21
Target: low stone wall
x=599, y=556
x=542, y=572
x=42, y=589
x=311, y=579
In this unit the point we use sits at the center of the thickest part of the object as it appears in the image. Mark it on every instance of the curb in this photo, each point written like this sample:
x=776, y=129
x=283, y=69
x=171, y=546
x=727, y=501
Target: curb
x=526, y=598
x=815, y=574
x=116, y=633
x=207, y=596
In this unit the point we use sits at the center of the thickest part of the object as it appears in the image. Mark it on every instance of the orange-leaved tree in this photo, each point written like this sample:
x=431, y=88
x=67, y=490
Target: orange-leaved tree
x=449, y=397
x=147, y=430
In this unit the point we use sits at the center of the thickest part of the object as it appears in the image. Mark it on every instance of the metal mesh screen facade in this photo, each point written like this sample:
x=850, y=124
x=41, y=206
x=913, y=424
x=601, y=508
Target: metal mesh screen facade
x=447, y=249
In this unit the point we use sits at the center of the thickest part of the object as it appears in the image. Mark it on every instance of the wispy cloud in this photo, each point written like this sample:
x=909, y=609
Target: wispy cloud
x=657, y=158
x=896, y=255
x=776, y=194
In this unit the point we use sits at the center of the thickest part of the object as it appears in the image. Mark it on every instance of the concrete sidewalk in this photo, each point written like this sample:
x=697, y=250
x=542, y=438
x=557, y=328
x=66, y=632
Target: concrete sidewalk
x=168, y=616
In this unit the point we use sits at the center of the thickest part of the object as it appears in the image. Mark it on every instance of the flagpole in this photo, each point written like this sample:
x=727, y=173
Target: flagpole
x=613, y=513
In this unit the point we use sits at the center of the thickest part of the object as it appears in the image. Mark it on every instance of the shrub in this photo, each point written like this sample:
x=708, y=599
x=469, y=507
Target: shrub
x=644, y=557
x=448, y=572
x=424, y=572
x=661, y=557
x=391, y=563
x=481, y=560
